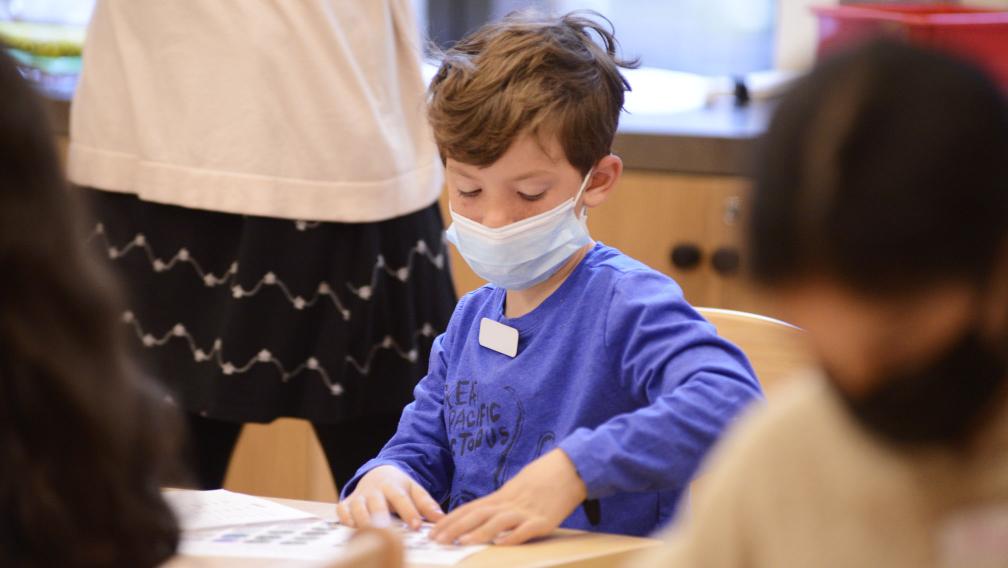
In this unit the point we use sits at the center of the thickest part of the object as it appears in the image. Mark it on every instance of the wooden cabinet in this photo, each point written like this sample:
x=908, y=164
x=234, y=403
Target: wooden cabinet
x=651, y=213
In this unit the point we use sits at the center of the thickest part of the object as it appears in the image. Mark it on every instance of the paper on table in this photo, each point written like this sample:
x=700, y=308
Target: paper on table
x=310, y=540
x=220, y=508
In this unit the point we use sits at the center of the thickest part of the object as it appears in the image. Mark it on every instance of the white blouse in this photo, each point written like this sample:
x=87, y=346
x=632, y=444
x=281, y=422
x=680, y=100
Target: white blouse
x=300, y=109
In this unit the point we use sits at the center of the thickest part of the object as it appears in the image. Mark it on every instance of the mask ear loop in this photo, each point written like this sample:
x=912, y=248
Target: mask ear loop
x=580, y=194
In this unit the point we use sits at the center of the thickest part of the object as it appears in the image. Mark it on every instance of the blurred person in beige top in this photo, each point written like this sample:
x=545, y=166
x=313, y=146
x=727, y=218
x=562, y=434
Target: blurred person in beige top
x=264, y=181
x=880, y=219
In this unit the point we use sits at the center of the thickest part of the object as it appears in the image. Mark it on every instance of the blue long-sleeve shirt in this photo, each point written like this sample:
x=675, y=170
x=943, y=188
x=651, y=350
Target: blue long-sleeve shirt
x=615, y=368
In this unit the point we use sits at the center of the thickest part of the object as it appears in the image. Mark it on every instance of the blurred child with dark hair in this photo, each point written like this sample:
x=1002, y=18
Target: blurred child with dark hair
x=85, y=441
x=880, y=220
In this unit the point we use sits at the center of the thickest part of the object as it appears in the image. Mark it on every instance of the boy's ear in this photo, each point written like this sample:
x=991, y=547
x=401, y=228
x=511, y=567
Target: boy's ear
x=603, y=180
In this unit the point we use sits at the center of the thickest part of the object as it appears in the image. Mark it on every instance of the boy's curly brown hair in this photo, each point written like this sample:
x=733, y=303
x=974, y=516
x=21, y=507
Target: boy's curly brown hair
x=530, y=73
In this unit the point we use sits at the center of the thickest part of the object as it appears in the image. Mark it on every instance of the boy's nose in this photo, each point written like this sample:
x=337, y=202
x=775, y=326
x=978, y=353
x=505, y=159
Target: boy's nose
x=495, y=219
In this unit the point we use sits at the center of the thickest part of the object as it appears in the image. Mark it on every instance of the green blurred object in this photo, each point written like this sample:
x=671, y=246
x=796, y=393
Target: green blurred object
x=47, y=54
x=43, y=40
x=62, y=65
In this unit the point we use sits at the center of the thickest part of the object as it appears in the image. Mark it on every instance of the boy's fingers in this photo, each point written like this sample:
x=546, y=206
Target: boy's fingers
x=494, y=526
x=404, y=507
x=448, y=519
x=429, y=508
x=525, y=531
x=458, y=526
x=378, y=510
x=359, y=512
x=455, y=515
x=343, y=512
x=459, y=512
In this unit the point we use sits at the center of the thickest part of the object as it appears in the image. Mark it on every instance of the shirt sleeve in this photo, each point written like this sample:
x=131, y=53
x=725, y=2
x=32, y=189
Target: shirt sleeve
x=420, y=444
x=689, y=382
x=719, y=528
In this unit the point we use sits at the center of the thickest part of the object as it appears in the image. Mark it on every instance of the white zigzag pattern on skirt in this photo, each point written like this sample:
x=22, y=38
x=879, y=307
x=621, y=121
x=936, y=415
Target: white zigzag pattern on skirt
x=215, y=354
x=302, y=225
x=211, y=280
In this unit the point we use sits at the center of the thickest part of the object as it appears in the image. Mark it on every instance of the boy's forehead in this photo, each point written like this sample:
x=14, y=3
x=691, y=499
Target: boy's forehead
x=530, y=153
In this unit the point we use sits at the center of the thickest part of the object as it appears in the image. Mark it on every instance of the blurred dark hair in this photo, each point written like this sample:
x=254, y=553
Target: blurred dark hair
x=884, y=169
x=85, y=441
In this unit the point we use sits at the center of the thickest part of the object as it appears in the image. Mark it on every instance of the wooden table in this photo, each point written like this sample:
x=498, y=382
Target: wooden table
x=565, y=549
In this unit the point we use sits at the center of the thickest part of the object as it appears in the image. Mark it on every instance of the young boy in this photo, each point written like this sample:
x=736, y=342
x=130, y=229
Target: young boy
x=578, y=375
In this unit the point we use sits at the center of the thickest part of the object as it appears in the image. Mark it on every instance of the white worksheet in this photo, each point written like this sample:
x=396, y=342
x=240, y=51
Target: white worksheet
x=310, y=540
x=221, y=508
x=225, y=524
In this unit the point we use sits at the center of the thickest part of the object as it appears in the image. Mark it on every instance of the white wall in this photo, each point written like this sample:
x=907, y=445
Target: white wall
x=794, y=48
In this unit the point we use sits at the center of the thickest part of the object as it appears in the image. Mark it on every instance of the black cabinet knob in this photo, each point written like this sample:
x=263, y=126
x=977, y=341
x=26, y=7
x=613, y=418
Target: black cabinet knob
x=726, y=261
x=686, y=256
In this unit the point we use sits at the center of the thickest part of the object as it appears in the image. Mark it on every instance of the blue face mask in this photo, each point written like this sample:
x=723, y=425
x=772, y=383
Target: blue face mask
x=522, y=254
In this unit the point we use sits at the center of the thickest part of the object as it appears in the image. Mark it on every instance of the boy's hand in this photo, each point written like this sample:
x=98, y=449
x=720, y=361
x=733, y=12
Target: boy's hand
x=531, y=504
x=381, y=489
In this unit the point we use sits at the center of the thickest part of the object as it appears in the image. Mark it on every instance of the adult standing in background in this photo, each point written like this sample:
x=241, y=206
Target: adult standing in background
x=265, y=183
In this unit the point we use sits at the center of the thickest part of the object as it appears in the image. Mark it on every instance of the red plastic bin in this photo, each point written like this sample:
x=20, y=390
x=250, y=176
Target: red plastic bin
x=974, y=33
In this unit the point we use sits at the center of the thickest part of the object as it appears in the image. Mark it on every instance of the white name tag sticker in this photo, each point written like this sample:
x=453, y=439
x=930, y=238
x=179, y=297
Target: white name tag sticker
x=498, y=337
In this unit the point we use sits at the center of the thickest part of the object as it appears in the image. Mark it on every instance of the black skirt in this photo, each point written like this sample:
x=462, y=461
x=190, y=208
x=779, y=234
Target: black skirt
x=249, y=318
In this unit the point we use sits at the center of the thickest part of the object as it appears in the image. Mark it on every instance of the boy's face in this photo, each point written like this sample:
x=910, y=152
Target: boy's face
x=532, y=177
